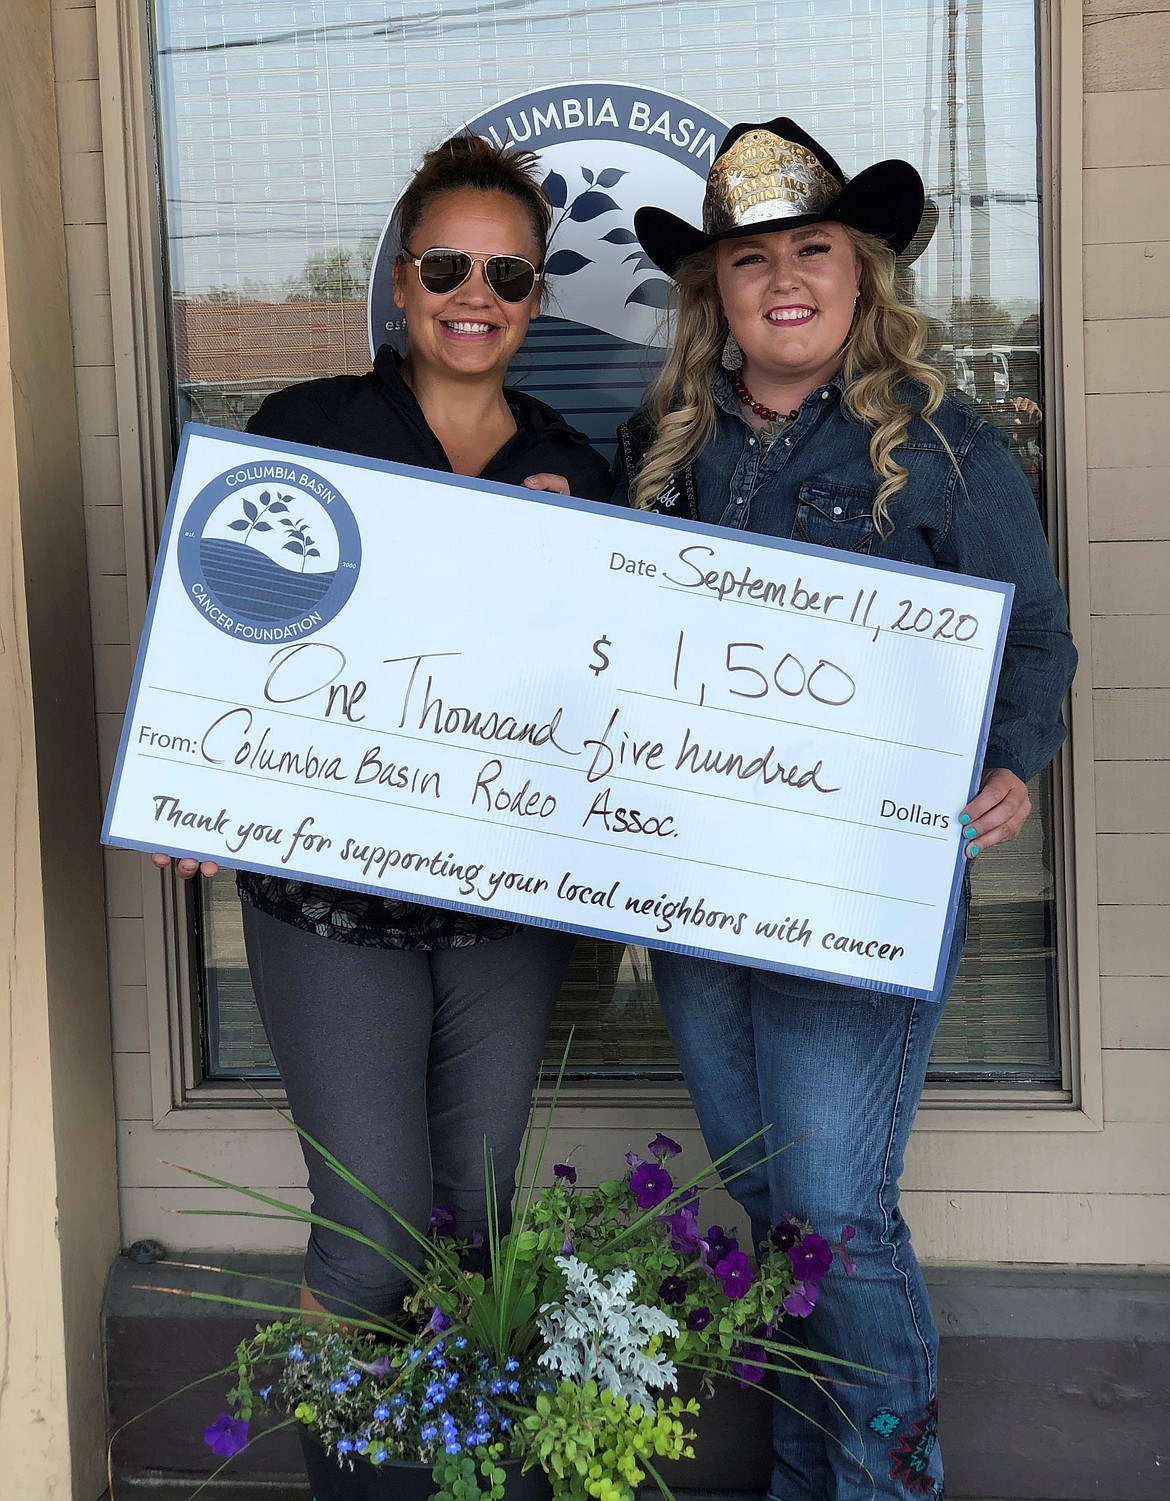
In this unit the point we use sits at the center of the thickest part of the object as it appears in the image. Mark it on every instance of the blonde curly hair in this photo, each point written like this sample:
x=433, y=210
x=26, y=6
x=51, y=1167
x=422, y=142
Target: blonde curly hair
x=883, y=350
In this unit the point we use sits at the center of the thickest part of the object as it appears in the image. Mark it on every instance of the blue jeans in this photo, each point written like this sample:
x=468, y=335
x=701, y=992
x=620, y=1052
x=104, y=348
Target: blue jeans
x=837, y=1072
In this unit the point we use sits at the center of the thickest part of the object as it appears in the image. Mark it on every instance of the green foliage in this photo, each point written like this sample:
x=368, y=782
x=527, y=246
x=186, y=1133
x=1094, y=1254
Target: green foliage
x=593, y=1444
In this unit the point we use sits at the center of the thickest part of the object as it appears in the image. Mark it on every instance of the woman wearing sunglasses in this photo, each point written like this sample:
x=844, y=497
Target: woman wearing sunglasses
x=406, y=1034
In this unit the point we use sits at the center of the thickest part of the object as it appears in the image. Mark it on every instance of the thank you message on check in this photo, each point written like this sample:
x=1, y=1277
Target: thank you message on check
x=395, y=681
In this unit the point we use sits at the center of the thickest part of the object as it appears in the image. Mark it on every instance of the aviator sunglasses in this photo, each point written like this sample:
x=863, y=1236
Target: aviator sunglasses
x=510, y=277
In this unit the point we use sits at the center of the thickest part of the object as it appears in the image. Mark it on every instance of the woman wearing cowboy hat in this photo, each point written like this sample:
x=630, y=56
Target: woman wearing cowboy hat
x=794, y=402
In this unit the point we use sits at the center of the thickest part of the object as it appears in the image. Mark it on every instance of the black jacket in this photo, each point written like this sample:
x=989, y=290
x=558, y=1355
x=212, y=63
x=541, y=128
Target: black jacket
x=377, y=416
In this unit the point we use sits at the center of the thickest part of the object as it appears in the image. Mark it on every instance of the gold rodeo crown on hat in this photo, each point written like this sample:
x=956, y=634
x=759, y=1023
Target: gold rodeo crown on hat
x=774, y=176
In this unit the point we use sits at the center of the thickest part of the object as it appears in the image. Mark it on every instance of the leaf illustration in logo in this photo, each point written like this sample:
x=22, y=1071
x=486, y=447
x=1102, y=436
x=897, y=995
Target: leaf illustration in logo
x=565, y=262
x=587, y=175
x=651, y=293
x=621, y=236
x=611, y=175
x=262, y=526
x=642, y=262
x=238, y=526
x=250, y=510
x=556, y=189
x=293, y=545
x=590, y=205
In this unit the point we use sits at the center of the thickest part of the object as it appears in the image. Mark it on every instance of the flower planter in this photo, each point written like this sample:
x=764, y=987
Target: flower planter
x=397, y=1479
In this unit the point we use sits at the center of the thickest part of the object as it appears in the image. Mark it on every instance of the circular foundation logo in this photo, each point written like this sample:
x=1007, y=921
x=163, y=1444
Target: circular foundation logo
x=605, y=150
x=269, y=551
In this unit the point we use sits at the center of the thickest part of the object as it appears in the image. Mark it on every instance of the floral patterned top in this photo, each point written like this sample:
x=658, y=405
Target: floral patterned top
x=371, y=922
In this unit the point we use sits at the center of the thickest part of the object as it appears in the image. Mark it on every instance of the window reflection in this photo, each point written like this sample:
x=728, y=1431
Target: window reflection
x=285, y=134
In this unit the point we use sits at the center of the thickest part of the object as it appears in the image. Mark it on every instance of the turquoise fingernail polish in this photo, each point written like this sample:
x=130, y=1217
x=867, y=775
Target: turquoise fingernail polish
x=964, y=818
x=969, y=833
x=974, y=848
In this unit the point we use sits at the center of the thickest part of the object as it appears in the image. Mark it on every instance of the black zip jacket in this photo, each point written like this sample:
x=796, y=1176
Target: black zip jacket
x=376, y=415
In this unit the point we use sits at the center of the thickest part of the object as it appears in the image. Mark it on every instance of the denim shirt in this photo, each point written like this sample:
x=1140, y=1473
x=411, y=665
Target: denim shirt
x=972, y=513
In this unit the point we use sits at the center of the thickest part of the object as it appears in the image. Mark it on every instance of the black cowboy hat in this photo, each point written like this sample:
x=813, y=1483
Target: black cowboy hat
x=775, y=176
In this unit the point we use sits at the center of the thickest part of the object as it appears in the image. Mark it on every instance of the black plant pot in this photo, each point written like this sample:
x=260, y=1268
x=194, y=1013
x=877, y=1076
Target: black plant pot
x=397, y=1479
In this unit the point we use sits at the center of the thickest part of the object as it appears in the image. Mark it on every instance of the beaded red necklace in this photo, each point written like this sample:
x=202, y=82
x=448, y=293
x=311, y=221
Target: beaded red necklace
x=758, y=407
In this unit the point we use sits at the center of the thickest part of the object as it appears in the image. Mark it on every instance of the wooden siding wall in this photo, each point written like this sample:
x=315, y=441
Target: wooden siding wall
x=973, y=1195
x=1127, y=350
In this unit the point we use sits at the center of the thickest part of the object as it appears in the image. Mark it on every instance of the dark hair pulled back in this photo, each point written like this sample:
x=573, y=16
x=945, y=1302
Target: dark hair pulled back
x=468, y=161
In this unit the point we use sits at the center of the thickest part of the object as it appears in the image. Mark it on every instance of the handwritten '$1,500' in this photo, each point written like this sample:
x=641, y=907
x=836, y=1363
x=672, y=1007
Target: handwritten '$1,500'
x=396, y=681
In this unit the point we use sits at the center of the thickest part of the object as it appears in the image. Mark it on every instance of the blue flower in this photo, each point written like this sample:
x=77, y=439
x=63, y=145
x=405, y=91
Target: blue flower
x=452, y=1381
x=381, y=1412
x=428, y=1433
x=337, y=1387
x=344, y=1445
x=498, y=1387
x=511, y=1365
x=226, y=1435
x=354, y=1377
x=397, y=1400
x=413, y=1354
x=454, y=1448
x=461, y=1343
x=263, y=1393
x=380, y=1456
x=296, y=1353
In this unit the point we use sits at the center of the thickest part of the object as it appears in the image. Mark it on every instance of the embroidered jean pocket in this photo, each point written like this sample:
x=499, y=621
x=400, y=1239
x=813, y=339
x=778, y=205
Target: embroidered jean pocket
x=834, y=516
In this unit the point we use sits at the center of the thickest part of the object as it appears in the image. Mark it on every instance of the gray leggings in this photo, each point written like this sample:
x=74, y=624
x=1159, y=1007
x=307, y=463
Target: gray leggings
x=402, y=1062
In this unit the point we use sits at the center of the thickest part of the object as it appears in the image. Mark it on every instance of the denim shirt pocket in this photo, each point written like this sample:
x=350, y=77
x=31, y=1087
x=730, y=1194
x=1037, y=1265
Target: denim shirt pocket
x=835, y=515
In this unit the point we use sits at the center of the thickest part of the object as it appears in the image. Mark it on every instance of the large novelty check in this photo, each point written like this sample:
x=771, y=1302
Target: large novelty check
x=545, y=709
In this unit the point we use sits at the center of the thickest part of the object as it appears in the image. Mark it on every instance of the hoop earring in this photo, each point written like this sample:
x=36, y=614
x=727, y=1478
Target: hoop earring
x=732, y=357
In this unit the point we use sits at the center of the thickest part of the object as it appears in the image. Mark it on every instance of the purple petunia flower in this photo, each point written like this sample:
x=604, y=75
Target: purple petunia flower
x=801, y=1301
x=683, y=1225
x=380, y=1367
x=751, y=1368
x=565, y=1173
x=650, y=1185
x=786, y=1234
x=672, y=1290
x=633, y=1160
x=811, y=1257
x=568, y=1248
x=226, y=1435
x=698, y=1319
x=439, y=1322
x=841, y=1248
x=735, y=1272
x=442, y=1220
x=719, y=1245
x=663, y=1147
